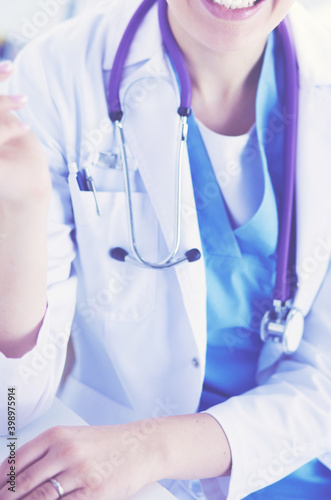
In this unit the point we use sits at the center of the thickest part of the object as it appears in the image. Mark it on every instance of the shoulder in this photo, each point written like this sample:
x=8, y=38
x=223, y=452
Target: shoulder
x=83, y=40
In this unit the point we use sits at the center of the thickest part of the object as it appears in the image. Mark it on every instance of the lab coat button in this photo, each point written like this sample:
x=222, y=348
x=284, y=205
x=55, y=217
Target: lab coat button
x=196, y=362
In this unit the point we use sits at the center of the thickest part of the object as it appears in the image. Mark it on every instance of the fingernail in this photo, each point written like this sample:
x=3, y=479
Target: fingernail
x=19, y=99
x=6, y=67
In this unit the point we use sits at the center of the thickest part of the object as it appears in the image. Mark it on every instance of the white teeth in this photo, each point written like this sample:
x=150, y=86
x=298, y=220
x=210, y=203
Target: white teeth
x=236, y=4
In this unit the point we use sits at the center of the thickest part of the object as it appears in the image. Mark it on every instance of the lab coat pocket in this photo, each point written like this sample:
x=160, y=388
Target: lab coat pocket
x=117, y=291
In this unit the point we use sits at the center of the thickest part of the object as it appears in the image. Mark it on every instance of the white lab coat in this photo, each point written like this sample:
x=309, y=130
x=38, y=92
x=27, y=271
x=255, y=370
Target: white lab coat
x=138, y=339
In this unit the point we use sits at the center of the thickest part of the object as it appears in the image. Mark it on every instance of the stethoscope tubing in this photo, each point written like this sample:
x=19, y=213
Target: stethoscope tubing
x=169, y=260
x=116, y=114
x=176, y=57
x=282, y=288
x=121, y=56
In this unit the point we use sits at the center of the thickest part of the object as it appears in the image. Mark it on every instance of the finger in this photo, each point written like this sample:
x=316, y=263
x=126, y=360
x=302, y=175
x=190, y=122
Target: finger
x=32, y=478
x=67, y=484
x=25, y=456
x=11, y=128
x=6, y=69
x=12, y=102
x=35, y=463
x=46, y=490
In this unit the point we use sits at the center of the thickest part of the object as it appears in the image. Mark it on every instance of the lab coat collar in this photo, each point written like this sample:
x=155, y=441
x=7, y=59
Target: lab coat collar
x=144, y=47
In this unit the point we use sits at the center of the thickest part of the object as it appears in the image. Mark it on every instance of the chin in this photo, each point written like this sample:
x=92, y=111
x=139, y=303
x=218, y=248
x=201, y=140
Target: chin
x=229, y=25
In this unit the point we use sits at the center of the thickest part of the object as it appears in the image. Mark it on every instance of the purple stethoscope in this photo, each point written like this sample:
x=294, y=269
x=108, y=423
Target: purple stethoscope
x=284, y=323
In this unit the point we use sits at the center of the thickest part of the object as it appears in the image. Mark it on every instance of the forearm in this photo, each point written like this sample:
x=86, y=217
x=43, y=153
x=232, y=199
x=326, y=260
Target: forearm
x=188, y=447
x=23, y=267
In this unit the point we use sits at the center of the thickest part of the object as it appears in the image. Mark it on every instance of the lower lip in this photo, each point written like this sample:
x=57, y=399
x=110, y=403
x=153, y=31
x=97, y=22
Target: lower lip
x=232, y=14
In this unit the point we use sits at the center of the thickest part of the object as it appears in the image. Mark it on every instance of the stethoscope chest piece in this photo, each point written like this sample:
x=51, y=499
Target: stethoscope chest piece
x=283, y=325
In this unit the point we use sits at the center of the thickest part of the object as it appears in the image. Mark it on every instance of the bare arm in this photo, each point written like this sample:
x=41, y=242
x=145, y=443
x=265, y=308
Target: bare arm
x=112, y=462
x=195, y=447
x=24, y=198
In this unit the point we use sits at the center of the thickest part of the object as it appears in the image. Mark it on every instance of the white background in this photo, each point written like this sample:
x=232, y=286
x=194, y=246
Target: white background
x=15, y=14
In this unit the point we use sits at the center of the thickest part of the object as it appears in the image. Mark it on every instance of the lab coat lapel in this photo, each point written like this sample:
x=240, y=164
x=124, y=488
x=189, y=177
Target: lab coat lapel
x=150, y=99
x=313, y=194
x=313, y=170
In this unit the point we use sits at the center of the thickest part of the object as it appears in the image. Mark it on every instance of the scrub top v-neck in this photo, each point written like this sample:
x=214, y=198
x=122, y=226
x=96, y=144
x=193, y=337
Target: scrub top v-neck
x=240, y=271
x=240, y=262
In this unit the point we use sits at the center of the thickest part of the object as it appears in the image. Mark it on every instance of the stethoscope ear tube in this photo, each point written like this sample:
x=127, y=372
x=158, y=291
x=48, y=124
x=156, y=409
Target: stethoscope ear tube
x=116, y=114
x=278, y=324
x=120, y=254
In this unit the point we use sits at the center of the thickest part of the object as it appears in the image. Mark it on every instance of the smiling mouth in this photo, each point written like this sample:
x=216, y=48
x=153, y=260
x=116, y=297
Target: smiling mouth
x=236, y=4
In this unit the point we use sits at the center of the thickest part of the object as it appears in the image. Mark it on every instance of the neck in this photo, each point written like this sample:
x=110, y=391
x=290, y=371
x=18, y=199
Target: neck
x=226, y=81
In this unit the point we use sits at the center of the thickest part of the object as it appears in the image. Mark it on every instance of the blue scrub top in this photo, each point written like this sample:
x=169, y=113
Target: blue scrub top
x=241, y=266
x=240, y=263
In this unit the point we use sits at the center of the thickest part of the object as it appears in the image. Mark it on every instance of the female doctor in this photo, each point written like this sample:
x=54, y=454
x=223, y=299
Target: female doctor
x=166, y=366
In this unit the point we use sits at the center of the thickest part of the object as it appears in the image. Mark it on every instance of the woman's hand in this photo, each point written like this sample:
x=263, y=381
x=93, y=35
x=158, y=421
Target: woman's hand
x=104, y=463
x=114, y=462
x=24, y=175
